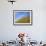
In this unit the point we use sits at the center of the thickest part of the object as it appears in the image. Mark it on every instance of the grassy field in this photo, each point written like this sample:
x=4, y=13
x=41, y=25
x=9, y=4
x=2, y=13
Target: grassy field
x=24, y=20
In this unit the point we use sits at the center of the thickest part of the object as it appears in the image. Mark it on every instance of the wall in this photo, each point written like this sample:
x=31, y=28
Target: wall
x=37, y=31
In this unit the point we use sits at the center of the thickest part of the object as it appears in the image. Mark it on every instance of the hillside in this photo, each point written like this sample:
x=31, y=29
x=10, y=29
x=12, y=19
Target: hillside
x=24, y=20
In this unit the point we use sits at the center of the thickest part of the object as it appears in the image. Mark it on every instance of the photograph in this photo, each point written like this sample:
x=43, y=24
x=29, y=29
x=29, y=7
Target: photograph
x=22, y=16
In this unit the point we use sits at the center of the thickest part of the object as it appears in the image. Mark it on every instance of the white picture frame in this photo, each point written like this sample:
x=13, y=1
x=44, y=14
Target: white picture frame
x=19, y=17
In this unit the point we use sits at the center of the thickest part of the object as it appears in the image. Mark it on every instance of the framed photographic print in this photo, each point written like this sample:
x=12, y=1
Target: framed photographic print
x=22, y=17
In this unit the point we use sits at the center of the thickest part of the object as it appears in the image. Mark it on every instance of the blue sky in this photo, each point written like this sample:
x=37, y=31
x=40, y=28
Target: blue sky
x=21, y=14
